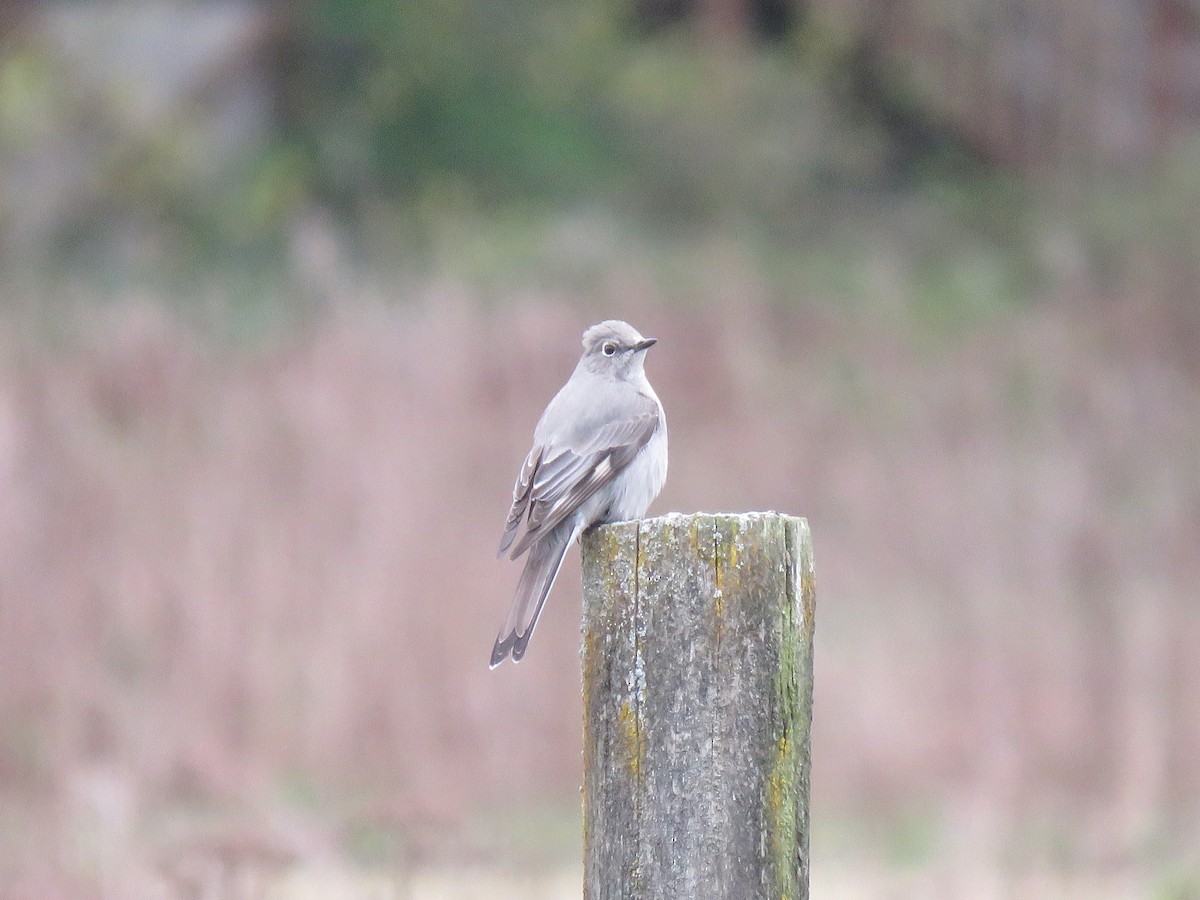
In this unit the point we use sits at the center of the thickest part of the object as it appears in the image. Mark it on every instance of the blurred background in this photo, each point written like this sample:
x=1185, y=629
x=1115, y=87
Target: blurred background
x=284, y=288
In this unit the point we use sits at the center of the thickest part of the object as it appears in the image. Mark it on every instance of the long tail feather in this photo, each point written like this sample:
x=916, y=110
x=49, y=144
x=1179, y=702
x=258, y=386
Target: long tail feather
x=541, y=568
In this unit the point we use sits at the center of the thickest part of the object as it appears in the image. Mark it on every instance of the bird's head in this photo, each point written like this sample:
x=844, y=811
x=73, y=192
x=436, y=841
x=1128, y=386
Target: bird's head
x=615, y=346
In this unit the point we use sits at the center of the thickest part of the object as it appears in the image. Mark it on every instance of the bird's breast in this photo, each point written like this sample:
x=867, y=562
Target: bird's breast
x=635, y=488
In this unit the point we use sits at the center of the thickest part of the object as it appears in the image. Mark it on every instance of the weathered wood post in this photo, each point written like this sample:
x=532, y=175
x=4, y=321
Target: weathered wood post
x=697, y=692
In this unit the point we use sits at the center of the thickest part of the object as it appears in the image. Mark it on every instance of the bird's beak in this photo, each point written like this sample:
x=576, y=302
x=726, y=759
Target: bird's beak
x=645, y=344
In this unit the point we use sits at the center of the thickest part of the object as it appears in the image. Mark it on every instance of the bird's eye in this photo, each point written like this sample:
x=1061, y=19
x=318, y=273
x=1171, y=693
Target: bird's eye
x=609, y=348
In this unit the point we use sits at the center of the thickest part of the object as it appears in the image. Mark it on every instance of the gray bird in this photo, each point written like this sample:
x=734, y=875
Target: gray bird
x=599, y=455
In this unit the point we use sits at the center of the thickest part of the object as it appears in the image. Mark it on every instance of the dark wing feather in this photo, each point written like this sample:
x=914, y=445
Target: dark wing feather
x=520, y=502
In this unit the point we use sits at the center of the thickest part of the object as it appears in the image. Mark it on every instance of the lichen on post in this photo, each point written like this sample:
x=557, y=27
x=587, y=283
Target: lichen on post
x=697, y=684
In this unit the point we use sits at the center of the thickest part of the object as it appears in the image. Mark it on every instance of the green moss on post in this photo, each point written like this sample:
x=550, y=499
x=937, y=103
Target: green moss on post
x=697, y=684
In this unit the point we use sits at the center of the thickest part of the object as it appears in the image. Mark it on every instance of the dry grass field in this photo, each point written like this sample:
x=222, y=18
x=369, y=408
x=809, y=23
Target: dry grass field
x=248, y=590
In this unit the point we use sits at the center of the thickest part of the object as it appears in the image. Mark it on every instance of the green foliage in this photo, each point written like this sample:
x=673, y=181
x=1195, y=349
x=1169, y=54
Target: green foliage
x=398, y=98
x=478, y=135
x=545, y=142
x=534, y=102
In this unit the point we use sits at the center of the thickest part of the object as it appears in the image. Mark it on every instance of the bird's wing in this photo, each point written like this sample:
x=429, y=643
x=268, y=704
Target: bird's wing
x=520, y=501
x=556, y=479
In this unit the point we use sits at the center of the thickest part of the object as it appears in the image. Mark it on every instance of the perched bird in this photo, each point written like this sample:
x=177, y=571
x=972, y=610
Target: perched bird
x=599, y=455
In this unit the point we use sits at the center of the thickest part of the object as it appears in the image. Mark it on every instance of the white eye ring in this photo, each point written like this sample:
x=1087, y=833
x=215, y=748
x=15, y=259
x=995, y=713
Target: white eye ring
x=609, y=348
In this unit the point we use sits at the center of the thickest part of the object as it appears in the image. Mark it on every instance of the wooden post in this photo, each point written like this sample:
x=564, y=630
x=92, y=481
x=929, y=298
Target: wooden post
x=697, y=693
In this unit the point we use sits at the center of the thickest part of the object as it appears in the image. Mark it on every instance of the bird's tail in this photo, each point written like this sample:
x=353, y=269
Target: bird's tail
x=541, y=568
